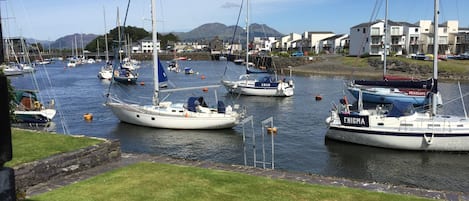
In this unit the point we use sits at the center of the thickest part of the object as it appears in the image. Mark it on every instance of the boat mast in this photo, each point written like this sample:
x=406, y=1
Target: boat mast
x=435, y=58
x=2, y=56
x=105, y=36
x=155, y=54
x=386, y=32
x=247, y=35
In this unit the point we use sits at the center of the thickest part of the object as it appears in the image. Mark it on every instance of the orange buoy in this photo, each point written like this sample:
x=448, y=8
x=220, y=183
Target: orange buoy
x=205, y=89
x=318, y=97
x=142, y=83
x=202, y=77
x=272, y=130
x=88, y=117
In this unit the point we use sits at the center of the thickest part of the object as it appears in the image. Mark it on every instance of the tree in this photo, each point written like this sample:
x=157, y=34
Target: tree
x=131, y=33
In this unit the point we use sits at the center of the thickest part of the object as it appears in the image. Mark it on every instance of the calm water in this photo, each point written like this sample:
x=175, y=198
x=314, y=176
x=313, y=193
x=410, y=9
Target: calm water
x=299, y=144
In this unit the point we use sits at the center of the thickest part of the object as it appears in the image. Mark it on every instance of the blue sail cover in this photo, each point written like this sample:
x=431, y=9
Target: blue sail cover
x=162, y=77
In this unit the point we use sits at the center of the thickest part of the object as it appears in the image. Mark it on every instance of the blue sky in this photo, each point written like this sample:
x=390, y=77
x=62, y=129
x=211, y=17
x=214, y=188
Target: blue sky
x=52, y=19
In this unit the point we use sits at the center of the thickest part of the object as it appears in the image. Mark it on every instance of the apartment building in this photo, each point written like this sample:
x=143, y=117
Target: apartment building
x=334, y=44
x=404, y=38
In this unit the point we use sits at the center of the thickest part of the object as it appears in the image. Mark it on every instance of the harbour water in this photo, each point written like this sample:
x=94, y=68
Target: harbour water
x=300, y=145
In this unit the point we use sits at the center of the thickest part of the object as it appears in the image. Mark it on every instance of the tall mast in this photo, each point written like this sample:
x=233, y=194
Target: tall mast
x=2, y=55
x=119, y=33
x=247, y=35
x=155, y=53
x=105, y=36
x=435, y=57
x=386, y=32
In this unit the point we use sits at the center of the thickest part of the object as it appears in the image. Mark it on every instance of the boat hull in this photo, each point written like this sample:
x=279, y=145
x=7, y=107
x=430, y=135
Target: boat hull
x=172, y=117
x=249, y=88
x=126, y=80
x=38, y=116
x=386, y=96
x=415, y=132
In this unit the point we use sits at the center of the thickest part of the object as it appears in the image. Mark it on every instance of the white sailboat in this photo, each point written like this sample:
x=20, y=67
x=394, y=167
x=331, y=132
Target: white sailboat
x=391, y=88
x=106, y=69
x=401, y=127
x=193, y=115
x=258, y=84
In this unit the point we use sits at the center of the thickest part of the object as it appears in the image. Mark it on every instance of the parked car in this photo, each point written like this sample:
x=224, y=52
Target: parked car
x=297, y=54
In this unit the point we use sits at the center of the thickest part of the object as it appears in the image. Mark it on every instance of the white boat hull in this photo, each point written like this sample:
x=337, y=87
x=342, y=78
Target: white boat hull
x=248, y=88
x=415, y=132
x=105, y=74
x=173, y=117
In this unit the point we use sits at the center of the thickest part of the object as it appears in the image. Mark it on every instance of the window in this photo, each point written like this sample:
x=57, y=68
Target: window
x=374, y=31
x=416, y=29
x=364, y=30
x=358, y=30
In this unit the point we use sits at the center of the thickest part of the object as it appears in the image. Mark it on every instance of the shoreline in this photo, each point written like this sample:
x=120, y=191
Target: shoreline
x=331, y=65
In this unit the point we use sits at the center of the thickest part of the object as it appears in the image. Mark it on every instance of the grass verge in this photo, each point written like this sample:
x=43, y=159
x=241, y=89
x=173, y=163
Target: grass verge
x=152, y=181
x=29, y=146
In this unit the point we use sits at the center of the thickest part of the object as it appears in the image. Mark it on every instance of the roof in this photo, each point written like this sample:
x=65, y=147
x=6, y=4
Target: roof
x=334, y=37
x=320, y=32
x=390, y=23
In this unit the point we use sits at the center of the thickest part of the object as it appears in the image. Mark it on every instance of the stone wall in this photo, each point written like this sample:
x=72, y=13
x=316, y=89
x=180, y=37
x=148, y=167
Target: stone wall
x=30, y=174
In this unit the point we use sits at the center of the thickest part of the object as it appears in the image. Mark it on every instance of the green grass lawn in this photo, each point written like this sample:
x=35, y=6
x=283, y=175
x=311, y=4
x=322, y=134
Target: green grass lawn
x=152, y=181
x=29, y=146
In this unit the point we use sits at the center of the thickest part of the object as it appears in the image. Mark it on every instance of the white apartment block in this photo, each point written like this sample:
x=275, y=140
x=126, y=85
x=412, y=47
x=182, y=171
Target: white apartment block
x=264, y=43
x=145, y=46
x=287, y=42
x=310, y=40
x=404, y=38
x=334, y=44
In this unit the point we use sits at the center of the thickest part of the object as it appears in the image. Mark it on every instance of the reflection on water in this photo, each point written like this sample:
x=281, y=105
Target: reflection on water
x=411, y=168
x=189, y=144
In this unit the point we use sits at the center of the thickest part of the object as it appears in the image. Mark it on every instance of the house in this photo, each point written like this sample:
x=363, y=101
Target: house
x=413, y=43
x=264, y=43
x=462, y=42
x=334, y=44
x=310, y=40
x=145, y=46
x=287, y=42
x=369, y=38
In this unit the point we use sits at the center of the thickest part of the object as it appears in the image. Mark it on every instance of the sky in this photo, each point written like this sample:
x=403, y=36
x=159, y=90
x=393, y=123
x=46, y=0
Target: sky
x=52, y=19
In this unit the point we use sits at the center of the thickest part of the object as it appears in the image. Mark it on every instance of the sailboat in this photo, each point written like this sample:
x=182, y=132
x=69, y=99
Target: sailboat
x=391, y=88
x=401, y=127
x=28, y=108
x=195, y=114
x=258, y=84
x=122, y=74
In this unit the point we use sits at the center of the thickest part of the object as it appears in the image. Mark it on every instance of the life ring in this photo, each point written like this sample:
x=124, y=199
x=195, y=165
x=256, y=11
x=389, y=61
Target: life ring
x=37, y=105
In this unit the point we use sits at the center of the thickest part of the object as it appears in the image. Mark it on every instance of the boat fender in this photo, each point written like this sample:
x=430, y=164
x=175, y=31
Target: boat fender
x=228, y=109
x=37, y=105
x=186, y=114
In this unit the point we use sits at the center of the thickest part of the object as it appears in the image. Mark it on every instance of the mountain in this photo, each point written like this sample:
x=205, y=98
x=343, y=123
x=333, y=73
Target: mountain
x=211, y=30
x=65, y=42
x=205, y=32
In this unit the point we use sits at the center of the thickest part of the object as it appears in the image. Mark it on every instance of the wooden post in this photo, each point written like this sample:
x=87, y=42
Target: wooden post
x=7, y=175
